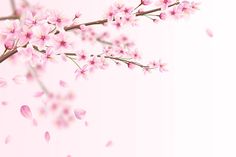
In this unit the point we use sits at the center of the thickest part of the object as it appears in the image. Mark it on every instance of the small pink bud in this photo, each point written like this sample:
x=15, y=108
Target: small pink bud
x=9, y=44
x=131, y=65
x=163, y=16
x=77, y=15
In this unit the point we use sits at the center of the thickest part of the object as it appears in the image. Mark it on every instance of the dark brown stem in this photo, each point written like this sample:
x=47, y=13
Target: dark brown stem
x=11, y=17
x=7, y=55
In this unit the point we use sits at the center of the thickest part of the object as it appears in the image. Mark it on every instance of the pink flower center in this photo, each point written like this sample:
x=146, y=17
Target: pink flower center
x=43, y=37
x=63, y=43
x=58, y=20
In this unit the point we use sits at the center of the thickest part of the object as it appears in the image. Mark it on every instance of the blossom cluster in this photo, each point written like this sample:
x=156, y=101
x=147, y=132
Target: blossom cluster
x=39, y=35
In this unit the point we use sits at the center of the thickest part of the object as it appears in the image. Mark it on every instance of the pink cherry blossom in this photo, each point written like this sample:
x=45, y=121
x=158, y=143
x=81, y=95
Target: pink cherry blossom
x=42, y=37
x=31, y=19
x=11, y=29
x=81, y=72
x=175, y=13
x=9, y=44
x=164, y=3
x=81, y=55
x=185, y=7
x=25, y=36
x=162, y=66
x=26, y=112
x=62, y=42
x=58, y=19
x=49, y=55
x=93, y=64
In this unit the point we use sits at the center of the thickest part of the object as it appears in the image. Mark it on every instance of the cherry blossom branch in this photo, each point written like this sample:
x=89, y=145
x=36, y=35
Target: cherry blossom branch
x=103, y=21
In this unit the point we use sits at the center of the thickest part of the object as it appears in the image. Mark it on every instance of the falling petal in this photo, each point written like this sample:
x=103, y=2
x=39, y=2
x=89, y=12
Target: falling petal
x=19, y=79
x=62, y=83
x=86, y=123
x=3, y=83
x=4, y=103
x=35, y=122
x=80, y=113
x=109, y=143
x=7, y=139
x=209, y=32
x=47, y=136
x=38, y=94
x=26, y=112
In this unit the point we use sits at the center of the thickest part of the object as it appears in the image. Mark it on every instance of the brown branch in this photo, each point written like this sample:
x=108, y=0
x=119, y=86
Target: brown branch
x=8, y=54
x=11, y=17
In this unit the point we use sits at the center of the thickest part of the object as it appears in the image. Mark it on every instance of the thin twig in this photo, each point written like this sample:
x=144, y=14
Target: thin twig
x=35, y=75
x=13, y=6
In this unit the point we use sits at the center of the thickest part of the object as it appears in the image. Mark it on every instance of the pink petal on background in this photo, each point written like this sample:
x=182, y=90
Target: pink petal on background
x=62, y=83
x=47, y=136
x=38, y=94
x=80, y=113
x=86, y=123
x=7, y=139
x=109, y=143
x=26, y=112
x=209, y=32
x=4, y=103
x=19, y=79
x=35, y=122
x=3, y=83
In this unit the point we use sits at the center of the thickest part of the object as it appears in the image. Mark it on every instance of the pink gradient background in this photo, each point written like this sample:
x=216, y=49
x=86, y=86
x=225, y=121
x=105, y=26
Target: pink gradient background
x=175, y=114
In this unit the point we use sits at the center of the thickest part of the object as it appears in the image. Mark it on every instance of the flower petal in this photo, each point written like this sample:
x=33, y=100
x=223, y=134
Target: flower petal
x=3, y=83
x=47, y=136
x=26, y=112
